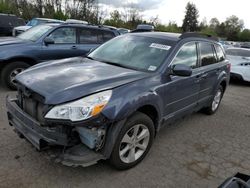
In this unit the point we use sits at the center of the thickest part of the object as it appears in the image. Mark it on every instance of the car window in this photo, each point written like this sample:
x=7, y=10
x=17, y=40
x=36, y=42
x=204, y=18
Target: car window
x=220, y=53
x=64, y=35
x=107, y=36
x=89, y=36
x=207, y=54
x=94, y=36
x=187, y=55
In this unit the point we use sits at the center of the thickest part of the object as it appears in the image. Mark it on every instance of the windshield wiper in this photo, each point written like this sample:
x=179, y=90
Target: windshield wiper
x=90, y=58
x=118, y=65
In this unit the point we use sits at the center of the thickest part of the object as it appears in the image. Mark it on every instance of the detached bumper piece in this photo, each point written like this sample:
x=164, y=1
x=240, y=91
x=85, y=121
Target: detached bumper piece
x=78, y=155
x=237, y=181
x=42, y=137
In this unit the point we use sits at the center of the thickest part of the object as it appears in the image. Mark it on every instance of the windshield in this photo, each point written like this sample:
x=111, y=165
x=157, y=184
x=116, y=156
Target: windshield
x=35, y=33
x=135, y=52
x=35, y=22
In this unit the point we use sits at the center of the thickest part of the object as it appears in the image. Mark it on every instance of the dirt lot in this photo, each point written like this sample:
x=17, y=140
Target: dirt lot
x=199, y=151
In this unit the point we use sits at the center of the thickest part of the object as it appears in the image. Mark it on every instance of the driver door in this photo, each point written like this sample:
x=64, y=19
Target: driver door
x=65, y=45
x=182, y=93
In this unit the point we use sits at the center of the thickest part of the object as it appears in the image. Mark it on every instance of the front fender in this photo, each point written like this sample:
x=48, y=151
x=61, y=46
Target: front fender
x=129, y=98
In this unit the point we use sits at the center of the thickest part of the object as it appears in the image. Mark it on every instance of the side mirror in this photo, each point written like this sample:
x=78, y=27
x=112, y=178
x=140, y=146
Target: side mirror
x=181, y=70
x=48, y=41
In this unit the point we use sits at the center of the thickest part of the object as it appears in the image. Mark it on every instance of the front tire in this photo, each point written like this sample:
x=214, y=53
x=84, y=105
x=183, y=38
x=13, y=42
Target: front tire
x=214, y=105
x=133, y=142
x=10, y=71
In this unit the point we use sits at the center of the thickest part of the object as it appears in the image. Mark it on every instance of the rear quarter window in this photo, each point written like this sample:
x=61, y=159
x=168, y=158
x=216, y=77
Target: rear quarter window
x=220, y=53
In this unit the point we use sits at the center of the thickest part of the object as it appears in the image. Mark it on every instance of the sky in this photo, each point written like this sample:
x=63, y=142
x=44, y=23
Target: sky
x=174, y=10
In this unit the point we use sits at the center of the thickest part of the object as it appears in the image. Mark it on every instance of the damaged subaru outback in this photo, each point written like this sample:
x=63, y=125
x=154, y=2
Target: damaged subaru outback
x=111, y=104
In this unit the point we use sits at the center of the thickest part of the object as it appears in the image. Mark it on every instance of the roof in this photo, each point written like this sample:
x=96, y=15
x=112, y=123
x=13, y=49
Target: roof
x=80, y=25
x=49, y=19
x=176, y=36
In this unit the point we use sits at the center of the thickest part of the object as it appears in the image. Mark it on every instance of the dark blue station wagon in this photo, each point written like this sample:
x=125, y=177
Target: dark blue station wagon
x=111, y=104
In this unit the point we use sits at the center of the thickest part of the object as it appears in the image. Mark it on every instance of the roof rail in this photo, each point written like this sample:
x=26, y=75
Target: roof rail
x=107, y=27
x=199, y=35
x=74, y=21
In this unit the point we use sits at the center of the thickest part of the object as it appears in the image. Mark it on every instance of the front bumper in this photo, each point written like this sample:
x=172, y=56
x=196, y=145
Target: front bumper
x=77, y=155
x=241, y=72
x=31, y=129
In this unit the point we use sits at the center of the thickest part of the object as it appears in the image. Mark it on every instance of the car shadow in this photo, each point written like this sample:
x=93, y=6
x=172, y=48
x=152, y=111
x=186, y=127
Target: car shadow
x=239, y=82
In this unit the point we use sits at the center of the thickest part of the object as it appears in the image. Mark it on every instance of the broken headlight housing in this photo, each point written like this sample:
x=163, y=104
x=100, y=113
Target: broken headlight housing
x=81, y=109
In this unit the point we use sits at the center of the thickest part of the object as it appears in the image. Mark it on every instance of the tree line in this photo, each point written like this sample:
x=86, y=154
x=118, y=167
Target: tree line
x=89, y=10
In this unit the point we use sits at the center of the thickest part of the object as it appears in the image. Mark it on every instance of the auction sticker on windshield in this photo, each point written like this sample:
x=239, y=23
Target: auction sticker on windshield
x=160, y=46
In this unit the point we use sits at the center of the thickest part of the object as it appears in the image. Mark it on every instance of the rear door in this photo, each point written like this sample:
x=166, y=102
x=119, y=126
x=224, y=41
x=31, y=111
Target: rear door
x=210, y=70
x=65, y=44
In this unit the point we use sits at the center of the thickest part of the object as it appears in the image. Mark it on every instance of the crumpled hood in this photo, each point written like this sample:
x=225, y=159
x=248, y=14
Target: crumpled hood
x=11, y=40
x=69, y=79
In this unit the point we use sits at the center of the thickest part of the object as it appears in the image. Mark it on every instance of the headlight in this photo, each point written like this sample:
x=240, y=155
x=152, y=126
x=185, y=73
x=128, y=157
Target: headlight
x=81, y=109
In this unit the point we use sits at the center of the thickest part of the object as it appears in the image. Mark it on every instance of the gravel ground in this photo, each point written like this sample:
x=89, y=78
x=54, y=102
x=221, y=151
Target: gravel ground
x=199, y=151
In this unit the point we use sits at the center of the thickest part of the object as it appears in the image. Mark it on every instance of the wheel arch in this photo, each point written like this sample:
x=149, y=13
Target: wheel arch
x=29, y=60
x=151, y=112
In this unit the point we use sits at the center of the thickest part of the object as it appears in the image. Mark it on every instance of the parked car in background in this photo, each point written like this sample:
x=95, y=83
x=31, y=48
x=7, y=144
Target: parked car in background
x=8, y=22
x=111, y=104
x=143, y=28
x=240, y=62
x=245, y=45
x=48, y=42
x=32, y=23
x=225, y=44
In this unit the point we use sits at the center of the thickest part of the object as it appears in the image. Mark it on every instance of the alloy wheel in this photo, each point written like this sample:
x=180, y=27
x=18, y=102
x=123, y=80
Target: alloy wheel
x=134, y=143
x=217, y=99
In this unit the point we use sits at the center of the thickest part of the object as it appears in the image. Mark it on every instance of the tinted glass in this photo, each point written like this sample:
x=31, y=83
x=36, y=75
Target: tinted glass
x=187, y=55
x=64, y=35
x=207, y=54
x=89, y=36
x=107, y=36
x=220, y=53
x=94, y=36
x=135, y=52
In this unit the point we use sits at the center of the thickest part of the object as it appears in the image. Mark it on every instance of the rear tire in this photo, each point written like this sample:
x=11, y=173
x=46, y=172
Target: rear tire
x=133, y=142
x=214, y=105
x=10, y=71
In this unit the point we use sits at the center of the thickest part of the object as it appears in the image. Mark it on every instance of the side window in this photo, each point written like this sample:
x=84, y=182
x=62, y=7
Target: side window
x=64, y=35
x=187, y=55
x=220, y=53
x=107, y=36
x=88, y=36
x=207, y=54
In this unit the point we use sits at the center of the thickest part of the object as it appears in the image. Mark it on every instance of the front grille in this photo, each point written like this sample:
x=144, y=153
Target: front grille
x=29, y=102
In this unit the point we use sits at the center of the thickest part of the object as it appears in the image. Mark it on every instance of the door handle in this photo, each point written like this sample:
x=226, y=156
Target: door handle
x=73, y=47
